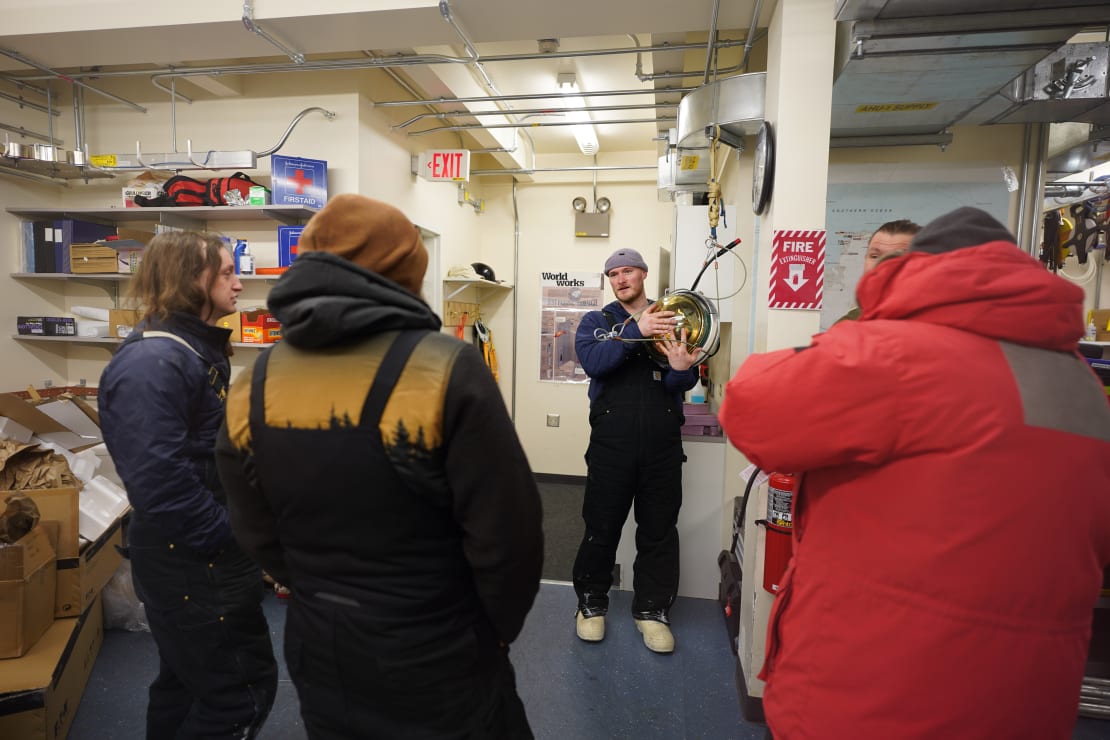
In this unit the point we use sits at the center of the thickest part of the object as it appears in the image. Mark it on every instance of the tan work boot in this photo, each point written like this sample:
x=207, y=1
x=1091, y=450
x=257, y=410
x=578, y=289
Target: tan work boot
x=657, y=635
x=590, y=628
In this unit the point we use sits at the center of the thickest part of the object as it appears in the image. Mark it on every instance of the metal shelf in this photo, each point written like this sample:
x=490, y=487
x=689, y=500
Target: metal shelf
x=109, y=276
x=114, y=340
x=58, y=170
x=287, y=215
x=113, y=276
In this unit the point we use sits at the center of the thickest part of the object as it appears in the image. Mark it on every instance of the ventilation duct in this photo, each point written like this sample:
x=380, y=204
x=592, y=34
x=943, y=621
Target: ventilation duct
x=736, y=104
x=1070, y=84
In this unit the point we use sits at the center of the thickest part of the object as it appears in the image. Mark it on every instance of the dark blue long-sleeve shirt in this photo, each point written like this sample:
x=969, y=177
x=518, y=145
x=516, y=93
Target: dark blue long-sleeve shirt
x=601, y=357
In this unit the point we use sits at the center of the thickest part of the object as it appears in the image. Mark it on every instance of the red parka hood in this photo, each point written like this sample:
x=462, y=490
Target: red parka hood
x=993, y=289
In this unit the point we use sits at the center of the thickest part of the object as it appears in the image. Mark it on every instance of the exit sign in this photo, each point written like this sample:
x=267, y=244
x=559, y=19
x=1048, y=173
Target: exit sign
x=444, y=165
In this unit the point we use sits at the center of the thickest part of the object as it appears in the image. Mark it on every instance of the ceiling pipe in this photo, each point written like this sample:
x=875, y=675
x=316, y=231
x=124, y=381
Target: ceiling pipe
x=583, y=168
x=534, y=111
x=28, y=104
x=712, y=37
x=33, y=88
x=348, y=64
x=412, y=91
x=474, y=63
x=26, y=133
x=533, y=96
x=328, y=114
x=750, y=41
x=59, y=76
x=251, y=25
x=471, y=126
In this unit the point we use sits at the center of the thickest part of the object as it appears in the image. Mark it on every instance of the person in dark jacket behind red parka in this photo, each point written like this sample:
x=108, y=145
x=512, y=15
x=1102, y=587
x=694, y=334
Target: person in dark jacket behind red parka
x=953, y=521
x=372, y=467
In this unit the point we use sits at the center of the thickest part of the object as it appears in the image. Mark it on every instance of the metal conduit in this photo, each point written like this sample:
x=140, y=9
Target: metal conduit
x=709, y=45
x=52, y=74
x=470, y=126
x=330, y=115
x=532, y=96
x=346, y=64
x=533, y=111
x=582, y=168
x=751, y=34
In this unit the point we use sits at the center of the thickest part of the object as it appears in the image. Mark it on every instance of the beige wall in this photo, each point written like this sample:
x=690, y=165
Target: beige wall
x=363, y=155
x=366, y=156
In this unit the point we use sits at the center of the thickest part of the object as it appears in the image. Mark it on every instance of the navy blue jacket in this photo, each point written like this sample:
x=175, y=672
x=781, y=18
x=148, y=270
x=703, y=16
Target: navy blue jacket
x=160, y=407
x=600, y=357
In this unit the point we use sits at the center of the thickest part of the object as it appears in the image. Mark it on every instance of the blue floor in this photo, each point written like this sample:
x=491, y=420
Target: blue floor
x=572, y=690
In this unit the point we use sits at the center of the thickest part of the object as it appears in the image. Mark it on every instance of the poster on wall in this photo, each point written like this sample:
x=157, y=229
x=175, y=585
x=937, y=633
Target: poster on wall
x=797, y=269
x=855, y=210
x=565, y=297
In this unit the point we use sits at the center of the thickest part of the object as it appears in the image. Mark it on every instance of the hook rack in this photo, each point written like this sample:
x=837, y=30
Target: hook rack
x=453, y=312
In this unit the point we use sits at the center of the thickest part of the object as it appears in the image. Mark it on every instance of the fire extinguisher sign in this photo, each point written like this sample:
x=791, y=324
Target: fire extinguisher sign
x=797, y=270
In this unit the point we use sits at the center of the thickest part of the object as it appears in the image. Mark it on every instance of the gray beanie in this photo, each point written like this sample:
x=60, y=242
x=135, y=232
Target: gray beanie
x=963, y=227
x=625, y=258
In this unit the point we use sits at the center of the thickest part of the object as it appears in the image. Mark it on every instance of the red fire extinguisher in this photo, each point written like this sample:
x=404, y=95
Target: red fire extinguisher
x=781, y=488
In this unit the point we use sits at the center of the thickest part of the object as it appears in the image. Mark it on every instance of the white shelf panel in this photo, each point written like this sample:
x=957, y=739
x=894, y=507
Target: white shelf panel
x=112, y=340
x=110, y=276
x=289, y=215
x=457, y=285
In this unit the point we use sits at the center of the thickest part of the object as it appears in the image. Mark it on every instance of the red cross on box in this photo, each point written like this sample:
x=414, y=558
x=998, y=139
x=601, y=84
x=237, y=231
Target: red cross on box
x=301, y=181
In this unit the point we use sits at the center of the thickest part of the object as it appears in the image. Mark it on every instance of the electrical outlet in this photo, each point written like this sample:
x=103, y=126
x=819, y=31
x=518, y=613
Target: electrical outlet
x=553, y=420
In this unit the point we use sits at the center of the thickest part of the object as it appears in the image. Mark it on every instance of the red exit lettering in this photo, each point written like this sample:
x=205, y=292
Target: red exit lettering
x=446, y=165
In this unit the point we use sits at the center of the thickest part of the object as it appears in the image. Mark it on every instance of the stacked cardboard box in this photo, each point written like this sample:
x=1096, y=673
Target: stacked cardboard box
x=51, y=625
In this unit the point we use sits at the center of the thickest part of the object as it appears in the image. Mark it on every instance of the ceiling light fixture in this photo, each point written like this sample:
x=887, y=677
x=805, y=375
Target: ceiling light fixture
x=584, y=132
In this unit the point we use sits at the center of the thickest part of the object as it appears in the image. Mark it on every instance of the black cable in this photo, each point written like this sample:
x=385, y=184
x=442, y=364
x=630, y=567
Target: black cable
x=744, y=500
x=709, y=262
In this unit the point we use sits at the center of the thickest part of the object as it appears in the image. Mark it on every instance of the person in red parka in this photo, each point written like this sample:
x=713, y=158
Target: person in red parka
x=953, y=519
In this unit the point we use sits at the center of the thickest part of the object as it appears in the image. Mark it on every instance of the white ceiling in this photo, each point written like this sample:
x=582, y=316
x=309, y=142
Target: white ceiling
x=75, y=35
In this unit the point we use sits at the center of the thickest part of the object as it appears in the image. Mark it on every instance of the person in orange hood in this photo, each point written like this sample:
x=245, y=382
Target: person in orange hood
x=953, y=520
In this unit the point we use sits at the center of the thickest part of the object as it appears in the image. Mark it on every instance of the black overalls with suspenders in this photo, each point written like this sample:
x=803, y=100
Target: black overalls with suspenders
x=635, y=458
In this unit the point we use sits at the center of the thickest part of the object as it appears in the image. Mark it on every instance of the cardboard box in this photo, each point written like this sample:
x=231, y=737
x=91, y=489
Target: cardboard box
x=147, y=191
x=232, y=321
x=288, y=236
x=69, y=231
x=89, y=259
x=121, y=322
x=28, y=580
x=81, y=579
x=47, y=326
x=10, y=429
x=49, y=420
x=82, y=572
x=259, y=326
x=59, y=505
x=258, y=195
x=40, y=692
x=1101, y=317
x=298, y=181
x=128, y=259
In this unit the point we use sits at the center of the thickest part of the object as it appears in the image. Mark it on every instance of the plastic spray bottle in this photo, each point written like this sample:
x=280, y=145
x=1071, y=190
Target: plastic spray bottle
x=244, y=262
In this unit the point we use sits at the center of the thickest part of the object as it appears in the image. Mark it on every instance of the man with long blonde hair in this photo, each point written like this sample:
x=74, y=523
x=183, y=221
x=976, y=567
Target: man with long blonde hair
x=161, y=402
